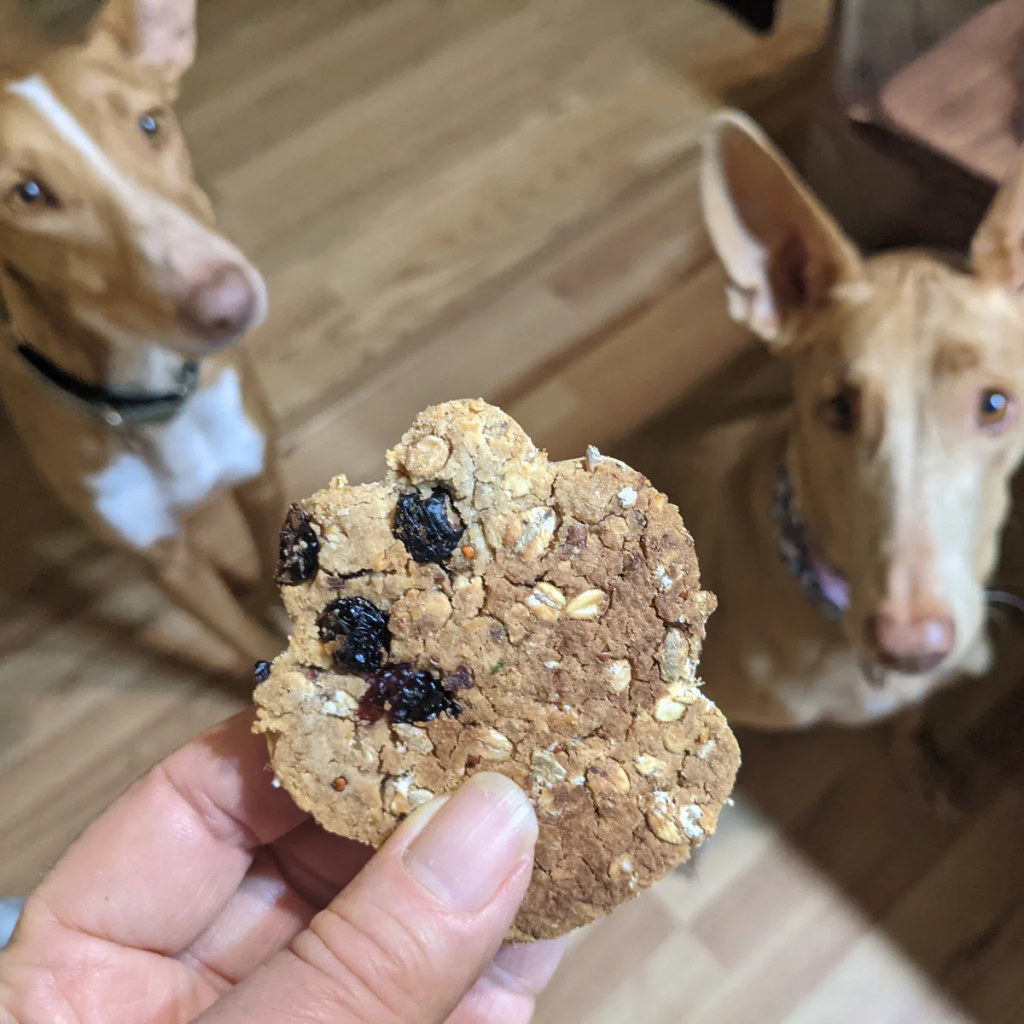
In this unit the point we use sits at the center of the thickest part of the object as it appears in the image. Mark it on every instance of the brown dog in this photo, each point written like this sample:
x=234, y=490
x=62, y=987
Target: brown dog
x=125, y=302
x=885, y=485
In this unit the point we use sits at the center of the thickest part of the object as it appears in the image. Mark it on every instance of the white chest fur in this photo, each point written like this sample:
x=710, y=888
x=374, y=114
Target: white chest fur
x=209, y=445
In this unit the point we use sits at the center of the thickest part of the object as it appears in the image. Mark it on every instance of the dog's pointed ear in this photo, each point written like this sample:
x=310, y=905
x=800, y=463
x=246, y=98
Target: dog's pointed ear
x=160, y=33
x=997, y=249
x=782, y=251
x=27, y=35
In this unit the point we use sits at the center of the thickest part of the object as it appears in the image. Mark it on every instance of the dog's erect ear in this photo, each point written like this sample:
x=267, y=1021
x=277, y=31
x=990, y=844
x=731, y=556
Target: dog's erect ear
x=25, y=39
x=161, y=33
x=997, y=249
x=781, y=249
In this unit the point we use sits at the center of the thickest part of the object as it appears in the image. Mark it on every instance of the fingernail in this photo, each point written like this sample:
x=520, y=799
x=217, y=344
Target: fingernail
x=474, y=842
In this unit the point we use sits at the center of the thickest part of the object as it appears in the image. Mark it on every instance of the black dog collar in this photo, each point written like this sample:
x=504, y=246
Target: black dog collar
x=824, y=592
x=112, y=405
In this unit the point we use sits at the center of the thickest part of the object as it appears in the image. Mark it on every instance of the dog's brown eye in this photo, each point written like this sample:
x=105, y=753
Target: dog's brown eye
x=32, y=192
x=149, y=124
x=993, y=407
x=839, y=411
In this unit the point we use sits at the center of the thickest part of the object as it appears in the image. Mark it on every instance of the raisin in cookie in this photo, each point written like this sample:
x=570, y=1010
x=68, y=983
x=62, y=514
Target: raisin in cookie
x=484, y=609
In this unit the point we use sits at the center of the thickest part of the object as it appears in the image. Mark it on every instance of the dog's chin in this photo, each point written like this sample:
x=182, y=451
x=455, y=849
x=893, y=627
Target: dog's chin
x=877, y=670
x=182, y=343
x=198, y=348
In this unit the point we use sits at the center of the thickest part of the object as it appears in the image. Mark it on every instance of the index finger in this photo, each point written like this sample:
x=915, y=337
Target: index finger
x=156, y=869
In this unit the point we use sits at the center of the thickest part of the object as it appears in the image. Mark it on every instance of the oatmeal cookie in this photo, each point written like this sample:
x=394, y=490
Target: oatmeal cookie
x=484, y=609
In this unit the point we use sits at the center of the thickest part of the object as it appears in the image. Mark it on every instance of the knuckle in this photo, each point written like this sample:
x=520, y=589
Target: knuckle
x=376, y=965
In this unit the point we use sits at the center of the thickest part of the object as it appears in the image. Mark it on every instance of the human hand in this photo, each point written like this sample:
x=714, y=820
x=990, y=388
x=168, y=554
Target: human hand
x=205, y=894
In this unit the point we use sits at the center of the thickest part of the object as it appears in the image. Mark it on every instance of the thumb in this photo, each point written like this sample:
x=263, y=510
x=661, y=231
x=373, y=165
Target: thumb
x=412, y=933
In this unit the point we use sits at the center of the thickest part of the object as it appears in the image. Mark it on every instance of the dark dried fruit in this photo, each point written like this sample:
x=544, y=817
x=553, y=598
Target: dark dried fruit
x=299, y=556
x=471, y=762
x=430, y=528
x=406, y=694
x=576, y=538
x=355, y=633
x=460, y=679
x=262, y=671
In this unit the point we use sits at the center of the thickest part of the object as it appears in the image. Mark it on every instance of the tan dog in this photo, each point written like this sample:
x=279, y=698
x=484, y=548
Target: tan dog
x=885, y=485
x=124, y=301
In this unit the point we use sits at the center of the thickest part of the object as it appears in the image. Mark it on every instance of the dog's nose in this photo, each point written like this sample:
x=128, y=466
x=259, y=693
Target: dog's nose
x=910, y=646
x=222, y=307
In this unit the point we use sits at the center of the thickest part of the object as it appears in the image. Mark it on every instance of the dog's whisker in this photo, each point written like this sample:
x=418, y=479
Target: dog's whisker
x=1006, y=598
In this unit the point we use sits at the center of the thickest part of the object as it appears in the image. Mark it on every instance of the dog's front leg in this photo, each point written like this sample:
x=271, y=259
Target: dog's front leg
x=196, y=584
x=261, y=499
x=262, y=504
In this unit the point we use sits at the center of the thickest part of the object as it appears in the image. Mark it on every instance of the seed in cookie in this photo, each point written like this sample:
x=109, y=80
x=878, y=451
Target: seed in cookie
x=406, y=694
x=355, y=633
x=340, y=784
x=588, y=605
x=262, y=671
x=430, y=528
x=299, y=553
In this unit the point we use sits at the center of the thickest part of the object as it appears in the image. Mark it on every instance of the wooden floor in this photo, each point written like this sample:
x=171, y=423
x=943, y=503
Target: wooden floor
x=498, y=197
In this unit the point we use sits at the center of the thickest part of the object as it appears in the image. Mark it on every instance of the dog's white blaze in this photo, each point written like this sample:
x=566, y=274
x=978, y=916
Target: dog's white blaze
x=35, y=91
x=210, y=444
